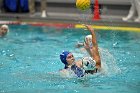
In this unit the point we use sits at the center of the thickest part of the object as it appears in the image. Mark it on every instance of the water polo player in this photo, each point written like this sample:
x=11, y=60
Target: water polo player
x=4, y=29
x=87, y=64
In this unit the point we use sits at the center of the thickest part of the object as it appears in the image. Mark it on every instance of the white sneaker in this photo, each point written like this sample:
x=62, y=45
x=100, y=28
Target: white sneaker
x=126, y=18
x=137, y=20
x=43, y=14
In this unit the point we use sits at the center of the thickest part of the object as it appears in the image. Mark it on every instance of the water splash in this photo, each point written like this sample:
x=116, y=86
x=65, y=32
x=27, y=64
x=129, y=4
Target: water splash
x=109, y=66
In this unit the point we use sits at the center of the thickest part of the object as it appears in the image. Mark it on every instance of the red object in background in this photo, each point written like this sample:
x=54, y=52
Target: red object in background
x=96, y=15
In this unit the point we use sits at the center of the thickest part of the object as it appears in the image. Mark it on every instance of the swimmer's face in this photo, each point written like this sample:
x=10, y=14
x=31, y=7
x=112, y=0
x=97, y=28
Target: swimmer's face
x=70, y=58
x=3, y=31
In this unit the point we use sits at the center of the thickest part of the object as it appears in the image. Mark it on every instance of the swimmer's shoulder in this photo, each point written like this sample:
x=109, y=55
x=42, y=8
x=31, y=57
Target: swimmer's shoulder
x=63, y=72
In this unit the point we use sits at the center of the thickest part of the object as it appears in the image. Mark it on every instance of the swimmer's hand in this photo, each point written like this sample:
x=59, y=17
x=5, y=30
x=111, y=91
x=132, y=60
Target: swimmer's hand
x=89, y=27
x=79, y=44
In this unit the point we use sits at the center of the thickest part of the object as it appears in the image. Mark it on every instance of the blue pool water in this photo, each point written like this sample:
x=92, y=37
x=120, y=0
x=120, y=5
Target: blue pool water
x=29, y=61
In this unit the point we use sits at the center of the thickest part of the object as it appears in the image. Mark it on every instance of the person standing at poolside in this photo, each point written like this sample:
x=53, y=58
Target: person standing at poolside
x=4, y=29
x=92, y=64
x=32, y=7
x=135, y=9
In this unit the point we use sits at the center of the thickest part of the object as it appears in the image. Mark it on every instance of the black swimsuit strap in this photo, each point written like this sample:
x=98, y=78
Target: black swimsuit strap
x=66, y=67
x=91, y=71
x=73, y=66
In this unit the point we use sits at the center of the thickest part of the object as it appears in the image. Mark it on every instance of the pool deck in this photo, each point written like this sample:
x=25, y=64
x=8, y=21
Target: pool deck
x=65, y=20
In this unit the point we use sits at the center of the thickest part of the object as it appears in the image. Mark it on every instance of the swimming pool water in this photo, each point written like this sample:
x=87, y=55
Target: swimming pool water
x=29, y=61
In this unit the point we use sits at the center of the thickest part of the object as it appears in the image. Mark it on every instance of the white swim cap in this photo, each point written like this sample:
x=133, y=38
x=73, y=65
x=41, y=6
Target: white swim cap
x=89, y=38
x=88, y=63
x=5, y=26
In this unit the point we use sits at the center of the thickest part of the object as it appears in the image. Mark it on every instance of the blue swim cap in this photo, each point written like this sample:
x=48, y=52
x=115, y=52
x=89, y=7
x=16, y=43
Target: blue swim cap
x=63, y=56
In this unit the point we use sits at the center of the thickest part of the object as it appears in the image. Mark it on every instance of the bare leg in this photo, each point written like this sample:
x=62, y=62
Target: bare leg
x=131, y=13
x=137, y=4
x=31, y=6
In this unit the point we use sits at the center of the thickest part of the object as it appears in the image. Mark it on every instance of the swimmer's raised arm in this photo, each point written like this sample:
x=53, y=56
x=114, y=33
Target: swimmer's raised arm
x=94, y=50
